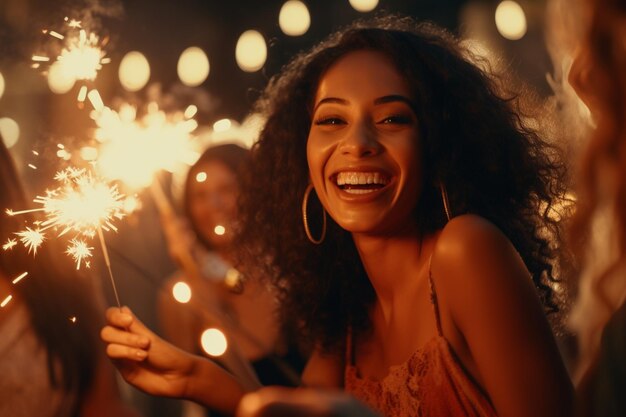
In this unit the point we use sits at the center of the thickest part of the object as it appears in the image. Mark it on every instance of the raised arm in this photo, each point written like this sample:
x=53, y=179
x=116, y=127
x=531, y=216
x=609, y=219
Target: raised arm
x=488, y=302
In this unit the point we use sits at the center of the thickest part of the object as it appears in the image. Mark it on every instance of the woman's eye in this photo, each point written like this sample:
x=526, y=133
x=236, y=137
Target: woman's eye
x=329, y=121
x=396, y=119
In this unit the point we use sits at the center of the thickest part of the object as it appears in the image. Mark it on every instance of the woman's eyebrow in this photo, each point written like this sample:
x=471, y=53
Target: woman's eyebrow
x=393, y=98
x=330, y=100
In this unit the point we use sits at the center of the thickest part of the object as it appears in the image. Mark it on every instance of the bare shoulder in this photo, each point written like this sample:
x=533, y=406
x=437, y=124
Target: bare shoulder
x=475, y=263
x=470, y=234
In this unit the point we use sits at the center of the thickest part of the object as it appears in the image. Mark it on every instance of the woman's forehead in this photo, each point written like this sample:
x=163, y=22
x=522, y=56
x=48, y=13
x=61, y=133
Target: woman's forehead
x=364, y=73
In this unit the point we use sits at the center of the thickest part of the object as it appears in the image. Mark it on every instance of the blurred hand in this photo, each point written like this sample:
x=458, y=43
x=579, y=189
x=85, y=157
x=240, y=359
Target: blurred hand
x=145, y=360
x=301, y=402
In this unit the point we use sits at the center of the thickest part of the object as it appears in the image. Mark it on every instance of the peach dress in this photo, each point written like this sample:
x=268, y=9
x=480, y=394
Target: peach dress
x=431, y=383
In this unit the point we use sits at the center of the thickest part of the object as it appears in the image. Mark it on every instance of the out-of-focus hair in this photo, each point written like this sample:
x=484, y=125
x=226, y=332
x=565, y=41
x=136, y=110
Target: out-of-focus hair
x=599, y=76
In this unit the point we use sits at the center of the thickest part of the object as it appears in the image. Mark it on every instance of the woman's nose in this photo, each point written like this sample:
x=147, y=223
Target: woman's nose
x=360, y=141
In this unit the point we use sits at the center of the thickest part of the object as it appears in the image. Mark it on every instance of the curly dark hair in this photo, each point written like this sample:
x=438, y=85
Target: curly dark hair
x=473, y=140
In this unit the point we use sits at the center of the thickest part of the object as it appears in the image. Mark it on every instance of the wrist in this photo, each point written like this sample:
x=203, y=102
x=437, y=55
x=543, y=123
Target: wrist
x=212, y=386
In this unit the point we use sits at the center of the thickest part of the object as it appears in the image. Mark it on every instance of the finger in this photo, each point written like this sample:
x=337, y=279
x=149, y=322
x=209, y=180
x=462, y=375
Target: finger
x=119, y=317
x=110, y=334
x=115, y=351
x=136, y=326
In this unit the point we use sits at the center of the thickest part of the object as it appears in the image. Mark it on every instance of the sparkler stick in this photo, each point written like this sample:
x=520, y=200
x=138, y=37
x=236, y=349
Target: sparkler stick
x=107, y=262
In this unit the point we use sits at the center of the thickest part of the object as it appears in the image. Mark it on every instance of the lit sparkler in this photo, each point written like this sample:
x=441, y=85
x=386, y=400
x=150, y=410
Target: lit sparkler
x=83, y=206
x=133, y=150
x=81, y=56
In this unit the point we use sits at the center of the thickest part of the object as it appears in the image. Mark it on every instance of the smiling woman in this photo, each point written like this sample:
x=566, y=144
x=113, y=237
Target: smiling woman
x=430, y=179
x=422, y=278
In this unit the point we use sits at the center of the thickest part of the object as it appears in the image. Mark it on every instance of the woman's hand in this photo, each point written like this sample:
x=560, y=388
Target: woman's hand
x=144, y=359
x=301, y=402
x=159, y=368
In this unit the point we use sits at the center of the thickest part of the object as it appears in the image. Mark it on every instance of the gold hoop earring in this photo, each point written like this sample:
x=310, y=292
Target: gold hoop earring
x=444, y=198
x=305, y=219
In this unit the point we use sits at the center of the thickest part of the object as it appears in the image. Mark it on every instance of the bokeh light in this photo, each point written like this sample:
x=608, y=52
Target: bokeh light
x=201, y=177
x=294, y=18
x=193, y=66
x=219, y=230
x=10, y=131
x=251, y=51
x=214, y=342
x=134, y=71
x=364, y=6
x=59, y=81
x=222, y=125
x=89, y=153
x=181, y=292
x=511, y=20
x=1, y=85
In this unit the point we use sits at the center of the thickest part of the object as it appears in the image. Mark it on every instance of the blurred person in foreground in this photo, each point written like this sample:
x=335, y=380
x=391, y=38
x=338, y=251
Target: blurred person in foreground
x=50, y=361
x=598, y=74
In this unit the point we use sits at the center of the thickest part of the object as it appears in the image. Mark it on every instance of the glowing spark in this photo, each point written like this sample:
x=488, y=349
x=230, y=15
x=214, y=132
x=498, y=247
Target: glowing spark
x=9, y=244
x=56, y=35
x=82, y=93
x=74, y=24
x=31, y=239
x=35, y=153
x=73, y=319
x=81, y=205
x=81, y=55
x=19, y=278
x=96, y=100
x=32, y=166
x=6, y=301
x=79, y=250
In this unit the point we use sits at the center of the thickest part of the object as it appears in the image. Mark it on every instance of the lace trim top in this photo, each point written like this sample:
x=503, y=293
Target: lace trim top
x=431, y=383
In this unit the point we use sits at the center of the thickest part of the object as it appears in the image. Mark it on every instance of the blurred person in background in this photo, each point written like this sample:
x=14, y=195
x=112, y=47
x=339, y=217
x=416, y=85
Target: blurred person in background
x=246, y=310
x=50, y=361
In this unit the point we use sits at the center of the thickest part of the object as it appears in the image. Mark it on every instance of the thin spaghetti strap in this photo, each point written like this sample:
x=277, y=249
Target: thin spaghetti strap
x=433, y=296
x=349, y=348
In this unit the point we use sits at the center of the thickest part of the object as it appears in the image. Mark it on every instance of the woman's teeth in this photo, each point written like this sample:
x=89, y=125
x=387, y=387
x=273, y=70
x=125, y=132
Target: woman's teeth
x=361, y=182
